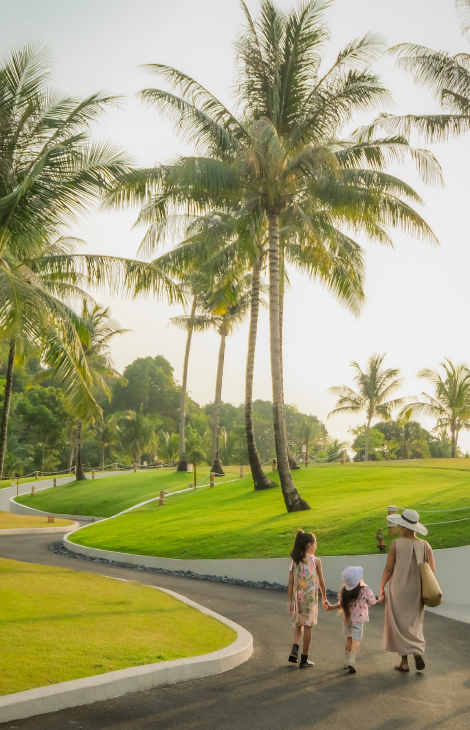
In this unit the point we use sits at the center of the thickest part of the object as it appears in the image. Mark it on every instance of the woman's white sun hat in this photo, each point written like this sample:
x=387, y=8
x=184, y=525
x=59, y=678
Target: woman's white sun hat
x=409, y=518
x=352, y=576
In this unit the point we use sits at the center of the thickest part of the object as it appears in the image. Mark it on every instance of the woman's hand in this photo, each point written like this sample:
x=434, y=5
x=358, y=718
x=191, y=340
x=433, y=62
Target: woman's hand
x=326, y=604
x=290, y=607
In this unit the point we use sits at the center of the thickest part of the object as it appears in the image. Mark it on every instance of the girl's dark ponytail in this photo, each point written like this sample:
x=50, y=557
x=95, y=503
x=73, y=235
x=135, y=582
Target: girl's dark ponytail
x=301, y=544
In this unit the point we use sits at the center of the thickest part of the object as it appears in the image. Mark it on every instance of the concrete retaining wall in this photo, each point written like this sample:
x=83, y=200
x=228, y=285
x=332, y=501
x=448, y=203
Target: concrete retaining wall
x=21, y=509
x=40, y=530
x=452, y=568
x=135, y=679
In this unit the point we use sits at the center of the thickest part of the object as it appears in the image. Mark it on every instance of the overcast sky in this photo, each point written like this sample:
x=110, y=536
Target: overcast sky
x=417, y=295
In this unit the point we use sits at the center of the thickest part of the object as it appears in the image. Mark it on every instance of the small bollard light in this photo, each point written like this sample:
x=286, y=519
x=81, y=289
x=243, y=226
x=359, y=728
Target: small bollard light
x=162, y=497
x=32, y=491
x=50, y=518
x=241, y=472
x=211, y=479
x=55, y=482
x=92, y=473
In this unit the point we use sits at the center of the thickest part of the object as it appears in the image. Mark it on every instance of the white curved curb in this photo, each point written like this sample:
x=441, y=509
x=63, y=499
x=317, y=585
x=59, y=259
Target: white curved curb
x=135, y=679
x=21, y=509
x=40, y=530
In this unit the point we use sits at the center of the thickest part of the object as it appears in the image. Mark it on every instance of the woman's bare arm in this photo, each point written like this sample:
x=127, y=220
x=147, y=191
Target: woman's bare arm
x=430, y=557
x=389, y=566
x=321, y=582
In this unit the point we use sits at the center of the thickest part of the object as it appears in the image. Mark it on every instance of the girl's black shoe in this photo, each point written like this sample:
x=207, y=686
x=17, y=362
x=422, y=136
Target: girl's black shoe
x=294, y=655
x=304, y=662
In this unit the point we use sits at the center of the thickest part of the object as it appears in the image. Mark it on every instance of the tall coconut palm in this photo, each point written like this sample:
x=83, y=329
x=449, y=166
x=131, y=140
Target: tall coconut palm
x=450, y=404
x=286, y=152
x=374, y=388
x=49, y=171
x=223, y=306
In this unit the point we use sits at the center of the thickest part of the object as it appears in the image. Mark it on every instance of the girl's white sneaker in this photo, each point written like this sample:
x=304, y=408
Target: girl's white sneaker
x=352, y=662
x=346, y=659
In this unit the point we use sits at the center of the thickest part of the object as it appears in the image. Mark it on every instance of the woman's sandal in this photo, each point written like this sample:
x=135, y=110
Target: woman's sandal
x=419, y=662
x=401, y=668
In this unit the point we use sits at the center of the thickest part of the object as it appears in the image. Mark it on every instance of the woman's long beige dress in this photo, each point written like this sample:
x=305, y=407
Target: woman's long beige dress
x=404, y=607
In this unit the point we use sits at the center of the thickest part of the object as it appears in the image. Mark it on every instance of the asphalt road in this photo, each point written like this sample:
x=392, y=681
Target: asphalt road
x=266, y=692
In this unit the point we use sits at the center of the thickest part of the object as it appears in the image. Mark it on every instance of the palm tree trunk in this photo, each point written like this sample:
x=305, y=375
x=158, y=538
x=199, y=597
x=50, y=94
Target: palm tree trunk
x=292, y=462
x=453, y=451
x=182, y=463
x=102, y=456
x=79, y=473
x=366, y=450
x=260, y=479
x=292, y=499
x=216, y=465
x=6, y=405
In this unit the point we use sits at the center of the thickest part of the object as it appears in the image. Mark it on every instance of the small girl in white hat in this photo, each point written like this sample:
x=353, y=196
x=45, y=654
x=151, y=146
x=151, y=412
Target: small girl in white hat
x=355, y=597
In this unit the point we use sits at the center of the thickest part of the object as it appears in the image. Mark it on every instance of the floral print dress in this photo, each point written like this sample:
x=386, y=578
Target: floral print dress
x=305, y=594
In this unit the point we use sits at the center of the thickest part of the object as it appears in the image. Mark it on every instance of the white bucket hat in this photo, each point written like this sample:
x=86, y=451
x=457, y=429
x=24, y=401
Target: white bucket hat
x=409, y=518
x=352, y=576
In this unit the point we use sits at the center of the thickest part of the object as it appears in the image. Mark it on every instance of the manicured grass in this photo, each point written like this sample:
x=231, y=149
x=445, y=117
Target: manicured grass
x=349, y=503
x=15, y=522
x=58, y=625
x=11, y=482
x=109, y=495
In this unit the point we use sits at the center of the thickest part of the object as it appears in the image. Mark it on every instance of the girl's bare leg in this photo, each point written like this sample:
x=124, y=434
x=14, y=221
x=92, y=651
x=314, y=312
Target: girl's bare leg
x=307, y=638
x=347, y=648
x=298, y=634
x=354, y=645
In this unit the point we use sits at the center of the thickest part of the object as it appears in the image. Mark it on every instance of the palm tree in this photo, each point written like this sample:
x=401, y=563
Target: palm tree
x=451, y=403
x=99, y=331
x=374, y=388
x=223, y=306
x=49, y=171
x=411, y=439
x=106, y=433
x=286, y=153
x=168, y=447
x=138, y=434
x=307, y=431
x=448, y=79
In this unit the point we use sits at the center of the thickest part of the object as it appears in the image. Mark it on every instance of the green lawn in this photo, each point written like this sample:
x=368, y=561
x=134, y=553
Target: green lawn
x=14, y=522
x=348, y=504
x=58, y=625
x=109, y=495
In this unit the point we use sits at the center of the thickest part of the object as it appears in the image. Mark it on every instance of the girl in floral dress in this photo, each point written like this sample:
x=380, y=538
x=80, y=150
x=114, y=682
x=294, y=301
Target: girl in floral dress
x=305, y=577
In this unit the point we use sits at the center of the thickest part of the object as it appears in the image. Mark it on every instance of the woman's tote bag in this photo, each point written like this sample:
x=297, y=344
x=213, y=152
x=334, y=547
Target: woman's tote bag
x=430, y=589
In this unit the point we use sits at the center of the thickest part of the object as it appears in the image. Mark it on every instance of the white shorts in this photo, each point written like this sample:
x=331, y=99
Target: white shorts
x=353, y=631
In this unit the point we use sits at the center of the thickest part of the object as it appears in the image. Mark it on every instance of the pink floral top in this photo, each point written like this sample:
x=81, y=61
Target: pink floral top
x=359, y=610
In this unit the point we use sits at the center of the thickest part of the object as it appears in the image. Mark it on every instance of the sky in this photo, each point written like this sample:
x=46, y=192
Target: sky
x=417, y=295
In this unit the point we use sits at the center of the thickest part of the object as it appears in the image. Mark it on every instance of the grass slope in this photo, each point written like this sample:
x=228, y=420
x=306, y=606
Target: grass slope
x=348, y=504
x=15, y=522
x=59, y=625
x=109, y=495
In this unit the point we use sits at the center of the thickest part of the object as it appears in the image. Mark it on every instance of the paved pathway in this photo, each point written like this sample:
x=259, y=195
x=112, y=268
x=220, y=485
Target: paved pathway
x=266, y=693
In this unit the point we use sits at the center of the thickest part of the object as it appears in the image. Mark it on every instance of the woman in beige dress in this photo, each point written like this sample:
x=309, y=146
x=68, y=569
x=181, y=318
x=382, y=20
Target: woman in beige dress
x=404, y=607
